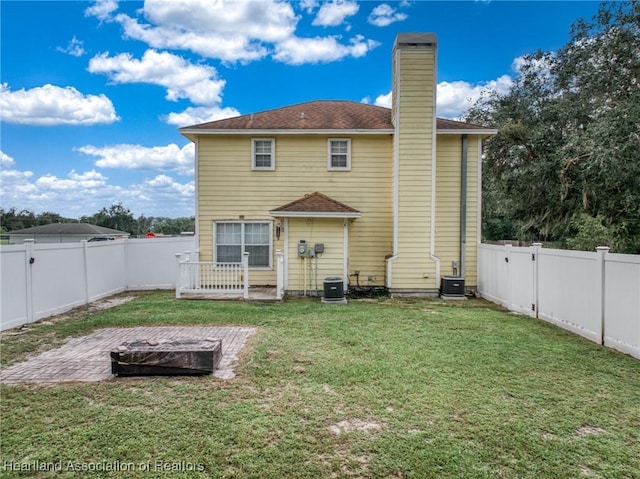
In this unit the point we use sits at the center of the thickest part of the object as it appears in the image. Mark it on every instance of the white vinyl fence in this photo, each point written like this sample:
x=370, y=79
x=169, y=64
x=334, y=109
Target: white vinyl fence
x=593, y=294
x=39, y=280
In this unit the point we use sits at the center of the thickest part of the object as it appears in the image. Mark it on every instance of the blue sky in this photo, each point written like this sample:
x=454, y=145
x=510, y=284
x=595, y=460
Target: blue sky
x=93, y=93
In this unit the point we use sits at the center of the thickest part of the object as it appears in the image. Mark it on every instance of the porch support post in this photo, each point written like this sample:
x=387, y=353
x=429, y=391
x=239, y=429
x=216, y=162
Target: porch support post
x=345, y=274
x=245, y=263
x=178, y=272
x=279, y=274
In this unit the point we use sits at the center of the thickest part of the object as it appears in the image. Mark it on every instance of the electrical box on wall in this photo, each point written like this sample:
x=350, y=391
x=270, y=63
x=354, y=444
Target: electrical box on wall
x=318, y=248
x=302, y=248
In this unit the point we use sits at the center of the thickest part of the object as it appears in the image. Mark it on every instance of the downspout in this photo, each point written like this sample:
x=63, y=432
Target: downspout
x=463, y=202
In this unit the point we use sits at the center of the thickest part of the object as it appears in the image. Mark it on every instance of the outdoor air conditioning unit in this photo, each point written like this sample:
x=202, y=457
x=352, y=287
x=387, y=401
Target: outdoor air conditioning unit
x=334, y=290
x=452, y=287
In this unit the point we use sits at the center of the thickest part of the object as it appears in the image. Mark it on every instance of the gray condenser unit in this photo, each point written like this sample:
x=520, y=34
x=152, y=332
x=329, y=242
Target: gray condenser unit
x=333, y=287
x=452, y=287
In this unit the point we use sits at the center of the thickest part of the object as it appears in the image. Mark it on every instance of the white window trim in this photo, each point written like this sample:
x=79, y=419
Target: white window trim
x=215, y=244
x=253, y=155
x=334, y=168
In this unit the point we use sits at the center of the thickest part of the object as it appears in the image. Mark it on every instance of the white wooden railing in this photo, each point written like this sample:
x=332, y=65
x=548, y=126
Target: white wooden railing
x=212, y=278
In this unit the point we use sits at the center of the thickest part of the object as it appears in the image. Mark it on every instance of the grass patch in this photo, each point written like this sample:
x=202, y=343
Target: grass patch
x=391, y=388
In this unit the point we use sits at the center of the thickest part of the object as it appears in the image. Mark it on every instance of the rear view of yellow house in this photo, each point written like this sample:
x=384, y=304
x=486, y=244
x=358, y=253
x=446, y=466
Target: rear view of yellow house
x=375, y=196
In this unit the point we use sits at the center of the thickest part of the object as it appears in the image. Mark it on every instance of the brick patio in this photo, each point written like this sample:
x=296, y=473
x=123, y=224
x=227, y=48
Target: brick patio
x=87, y=358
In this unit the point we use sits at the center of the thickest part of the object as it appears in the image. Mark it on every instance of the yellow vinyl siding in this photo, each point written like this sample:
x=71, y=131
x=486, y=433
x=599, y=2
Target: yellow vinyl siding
x=308, y=273
x=414, y=127
x=448, y=164
x=228, y=188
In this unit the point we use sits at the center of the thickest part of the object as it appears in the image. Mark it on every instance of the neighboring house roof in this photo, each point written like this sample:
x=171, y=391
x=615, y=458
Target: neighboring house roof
x=320, y=115
x=68, y=229
x=315, y=205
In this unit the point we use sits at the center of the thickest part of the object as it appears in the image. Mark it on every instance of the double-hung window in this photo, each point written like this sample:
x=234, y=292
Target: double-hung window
x=339, y=154
x=263, y=154
x=236, y=237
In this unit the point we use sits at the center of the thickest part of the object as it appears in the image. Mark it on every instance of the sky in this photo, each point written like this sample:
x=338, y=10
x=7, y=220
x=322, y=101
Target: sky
x=92, y=93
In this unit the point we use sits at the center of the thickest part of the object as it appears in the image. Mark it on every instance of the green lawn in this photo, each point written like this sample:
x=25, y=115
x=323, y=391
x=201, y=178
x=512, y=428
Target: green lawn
x=388, y=389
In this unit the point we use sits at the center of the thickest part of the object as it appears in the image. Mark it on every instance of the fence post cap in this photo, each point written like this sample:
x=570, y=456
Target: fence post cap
x=603, y=249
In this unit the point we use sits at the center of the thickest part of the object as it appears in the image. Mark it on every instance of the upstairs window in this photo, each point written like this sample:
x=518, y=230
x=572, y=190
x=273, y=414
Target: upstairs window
x=263, y=155
x=340, y=154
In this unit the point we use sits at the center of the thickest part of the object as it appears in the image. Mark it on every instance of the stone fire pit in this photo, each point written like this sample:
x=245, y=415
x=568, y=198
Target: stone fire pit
x=166, y=357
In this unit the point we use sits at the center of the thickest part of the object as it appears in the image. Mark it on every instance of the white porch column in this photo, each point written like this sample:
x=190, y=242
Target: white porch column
x=245, y=262
x=178, y=274
x=279, y=274
x=345, y=273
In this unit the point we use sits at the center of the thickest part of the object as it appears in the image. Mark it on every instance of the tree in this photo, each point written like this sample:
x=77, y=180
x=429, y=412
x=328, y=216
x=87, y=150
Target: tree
x=569, y=136
x=116, y=217
x=10, y=220
x=49, y=217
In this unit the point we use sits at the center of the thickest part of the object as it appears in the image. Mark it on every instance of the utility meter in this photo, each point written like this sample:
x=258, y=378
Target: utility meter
x=302, y=248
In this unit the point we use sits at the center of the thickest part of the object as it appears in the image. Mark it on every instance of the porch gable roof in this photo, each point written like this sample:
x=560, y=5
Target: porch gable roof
x=315, y=205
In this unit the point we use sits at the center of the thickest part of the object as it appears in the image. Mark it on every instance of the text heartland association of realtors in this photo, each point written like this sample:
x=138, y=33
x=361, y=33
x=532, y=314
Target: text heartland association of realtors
x=155, y=466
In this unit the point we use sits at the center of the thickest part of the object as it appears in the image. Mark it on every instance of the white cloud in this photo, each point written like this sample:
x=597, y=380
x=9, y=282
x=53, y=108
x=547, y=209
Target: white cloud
x=381, y=100
x=84, y=181
x=6, y=161
x=169, y=158
x=384, y=15
x=198, y=83
x=296, y=51
x=50, y=193
x=227, y=30
x=102, y=9
x=308, y=5
x=334, y=13
x=50, y=105
x=230, y=47
x=167, y=185
x=237, y=31
x=455, y=98
x=164, y=196
x=200, y=114
x=14, y=182
x=74, y=48
x=85, y=193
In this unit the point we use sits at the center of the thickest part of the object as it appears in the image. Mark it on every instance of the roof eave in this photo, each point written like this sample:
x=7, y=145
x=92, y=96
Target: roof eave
x=289, y=131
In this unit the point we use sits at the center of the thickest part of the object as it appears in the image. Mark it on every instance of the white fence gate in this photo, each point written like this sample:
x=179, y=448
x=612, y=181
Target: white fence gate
x=39, y=280
x=594, y=294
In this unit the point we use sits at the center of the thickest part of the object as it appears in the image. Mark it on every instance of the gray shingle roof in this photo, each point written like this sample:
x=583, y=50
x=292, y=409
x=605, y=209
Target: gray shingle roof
x=319, y=115
x=315, y=203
